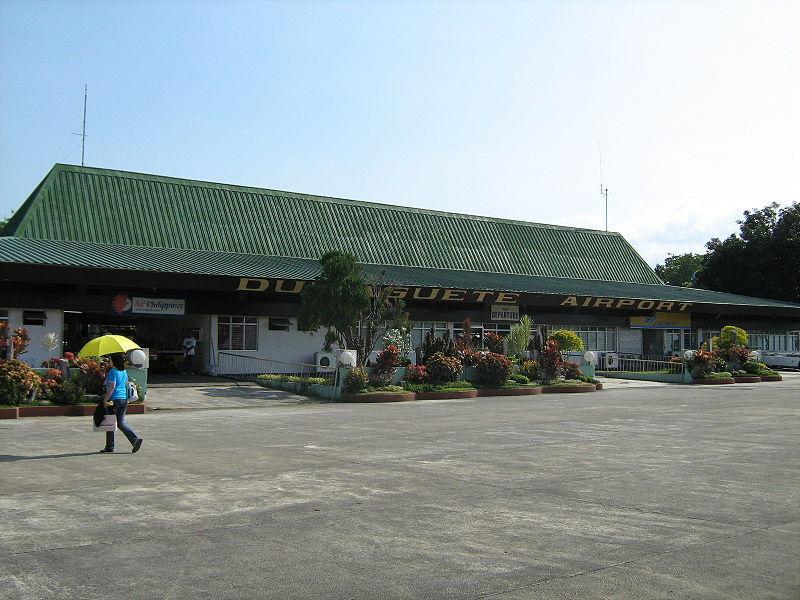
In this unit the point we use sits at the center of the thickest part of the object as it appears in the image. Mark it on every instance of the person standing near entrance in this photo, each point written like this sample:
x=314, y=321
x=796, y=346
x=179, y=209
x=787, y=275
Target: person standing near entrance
x=189, y=348
x=117, y=398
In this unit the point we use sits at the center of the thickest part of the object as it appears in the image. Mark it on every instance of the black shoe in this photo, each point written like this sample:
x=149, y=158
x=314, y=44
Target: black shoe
x=105, y=451
x=136, y=445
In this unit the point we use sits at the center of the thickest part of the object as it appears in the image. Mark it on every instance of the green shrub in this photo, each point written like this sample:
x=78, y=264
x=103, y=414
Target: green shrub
x=719, y=375
x=438, y=387
x=443, y=368
x=731, y=337
x=531, y=370
x=519, y=378
x=493, y=369
x=357, y=380
x=758, y=368
x=550, y=360
x=571, y=369
x=493, y=342
x=568, y=341
x=17, y=380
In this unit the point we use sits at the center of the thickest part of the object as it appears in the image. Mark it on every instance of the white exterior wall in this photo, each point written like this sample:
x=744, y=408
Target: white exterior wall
x=629, y=341
x=35, y=354
x=291, y=346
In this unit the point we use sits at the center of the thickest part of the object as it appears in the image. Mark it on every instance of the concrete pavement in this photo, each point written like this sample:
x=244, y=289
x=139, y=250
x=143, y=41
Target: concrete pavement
x=653, y=492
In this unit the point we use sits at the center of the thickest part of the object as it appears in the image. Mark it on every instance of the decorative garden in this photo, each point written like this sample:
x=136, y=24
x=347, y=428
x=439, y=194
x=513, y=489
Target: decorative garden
x=728, y=360
x=61, y=386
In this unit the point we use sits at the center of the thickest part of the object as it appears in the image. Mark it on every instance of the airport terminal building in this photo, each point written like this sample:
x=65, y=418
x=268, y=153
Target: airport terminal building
x=95, y=251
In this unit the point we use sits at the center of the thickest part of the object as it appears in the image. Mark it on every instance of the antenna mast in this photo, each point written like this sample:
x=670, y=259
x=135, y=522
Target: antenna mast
x=83, y=135
x=603, y=189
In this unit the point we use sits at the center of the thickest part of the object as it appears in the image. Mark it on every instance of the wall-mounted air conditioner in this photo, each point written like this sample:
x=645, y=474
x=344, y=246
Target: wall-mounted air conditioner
x=325, y=361
x=609, y=360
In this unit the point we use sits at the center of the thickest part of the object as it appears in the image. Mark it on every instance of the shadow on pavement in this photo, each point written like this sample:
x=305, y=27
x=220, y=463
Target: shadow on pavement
x=13, y=458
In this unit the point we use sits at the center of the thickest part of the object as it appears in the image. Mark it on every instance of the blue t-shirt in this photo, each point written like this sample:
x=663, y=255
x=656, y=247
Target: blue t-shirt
x=120, y=379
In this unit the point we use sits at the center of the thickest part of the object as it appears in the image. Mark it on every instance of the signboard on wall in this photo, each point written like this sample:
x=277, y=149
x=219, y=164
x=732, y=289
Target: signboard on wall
x=662, y=320
x=505, y=312
x=122, y=304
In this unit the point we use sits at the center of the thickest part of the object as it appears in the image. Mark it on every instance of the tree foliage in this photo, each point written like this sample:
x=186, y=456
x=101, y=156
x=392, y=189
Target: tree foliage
x=4, y=221
x=680, y=269
x=762, y=259
x=355, y=311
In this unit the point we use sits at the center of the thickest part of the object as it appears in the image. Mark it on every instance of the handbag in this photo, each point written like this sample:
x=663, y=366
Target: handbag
x=108, y=423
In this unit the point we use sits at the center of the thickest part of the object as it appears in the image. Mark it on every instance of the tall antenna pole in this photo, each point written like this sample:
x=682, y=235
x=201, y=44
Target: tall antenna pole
x=603, y=189
x=83, y=135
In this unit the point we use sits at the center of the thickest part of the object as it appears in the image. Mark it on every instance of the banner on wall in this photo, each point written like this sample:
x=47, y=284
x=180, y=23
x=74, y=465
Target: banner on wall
x=122, y=304
x=662, y=320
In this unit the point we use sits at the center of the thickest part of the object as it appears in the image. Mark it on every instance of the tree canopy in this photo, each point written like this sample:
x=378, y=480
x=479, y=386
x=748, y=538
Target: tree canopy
x=680, y=269
x=762, y=259
x=353, y=309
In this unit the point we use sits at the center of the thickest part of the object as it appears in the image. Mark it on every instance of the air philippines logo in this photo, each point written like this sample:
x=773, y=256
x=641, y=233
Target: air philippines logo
x=121, y=304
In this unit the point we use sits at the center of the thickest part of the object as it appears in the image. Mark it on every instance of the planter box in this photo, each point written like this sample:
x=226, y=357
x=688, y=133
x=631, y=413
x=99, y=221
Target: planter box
x=569, y=389
x=747, y=379
x=9, y=412
x=515, y=391
x=599, y=386
x=771, y=378
x=702, y=381
x=447, y=394
x=379, y=397
x=73, y=410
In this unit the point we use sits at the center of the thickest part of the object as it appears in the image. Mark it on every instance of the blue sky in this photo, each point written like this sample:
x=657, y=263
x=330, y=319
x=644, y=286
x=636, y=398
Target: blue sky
x=487, y=108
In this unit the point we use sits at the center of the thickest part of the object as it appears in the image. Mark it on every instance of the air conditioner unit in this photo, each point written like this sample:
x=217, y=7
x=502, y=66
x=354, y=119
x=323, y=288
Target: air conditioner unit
x=609, y=360
x=325, y=361
x=347, y=358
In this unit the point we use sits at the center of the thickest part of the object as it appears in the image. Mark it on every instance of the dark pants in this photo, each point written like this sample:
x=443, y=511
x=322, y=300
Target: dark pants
x=120, y=407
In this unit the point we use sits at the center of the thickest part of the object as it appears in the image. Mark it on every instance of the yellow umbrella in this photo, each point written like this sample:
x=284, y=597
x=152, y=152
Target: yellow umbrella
x=107, y=344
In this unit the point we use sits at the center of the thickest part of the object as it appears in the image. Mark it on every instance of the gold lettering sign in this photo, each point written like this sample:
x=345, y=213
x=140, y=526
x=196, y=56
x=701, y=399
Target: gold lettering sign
x=621, y=303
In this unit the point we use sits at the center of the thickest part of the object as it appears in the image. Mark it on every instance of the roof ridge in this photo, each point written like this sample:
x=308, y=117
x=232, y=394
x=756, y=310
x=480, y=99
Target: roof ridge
x=319, y=198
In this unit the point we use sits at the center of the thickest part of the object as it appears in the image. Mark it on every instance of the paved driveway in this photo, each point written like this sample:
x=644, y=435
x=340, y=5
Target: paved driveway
x=654, y=492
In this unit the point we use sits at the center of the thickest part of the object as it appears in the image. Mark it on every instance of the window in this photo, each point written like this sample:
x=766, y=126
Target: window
x=422, y=327
x=774, y=341
x=594, y=337
x=34, y=317
x=278, y=324
x=237, y=333
x=676, y=340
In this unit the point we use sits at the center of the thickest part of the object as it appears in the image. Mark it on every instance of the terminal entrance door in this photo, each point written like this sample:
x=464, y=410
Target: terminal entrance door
x=652, y=344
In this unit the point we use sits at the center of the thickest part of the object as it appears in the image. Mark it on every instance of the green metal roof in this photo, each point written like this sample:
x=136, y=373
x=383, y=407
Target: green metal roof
x=103, y=256
x=85, y=204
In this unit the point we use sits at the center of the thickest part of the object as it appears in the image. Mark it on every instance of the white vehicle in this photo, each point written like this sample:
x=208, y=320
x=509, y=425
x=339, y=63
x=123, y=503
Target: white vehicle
x=781, y=359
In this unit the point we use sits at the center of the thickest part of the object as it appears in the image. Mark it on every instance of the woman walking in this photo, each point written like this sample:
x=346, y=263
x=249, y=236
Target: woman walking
x=117, y=398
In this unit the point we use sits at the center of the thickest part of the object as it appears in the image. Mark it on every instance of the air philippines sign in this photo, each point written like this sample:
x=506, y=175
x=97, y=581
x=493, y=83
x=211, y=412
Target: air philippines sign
x=122, y=304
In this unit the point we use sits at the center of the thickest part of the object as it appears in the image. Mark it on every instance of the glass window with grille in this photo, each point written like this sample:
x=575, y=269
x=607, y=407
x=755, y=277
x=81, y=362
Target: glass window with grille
x=595, y=337
x=676, y=340
x=237, y=333
x=774, y=341
x=705, y=338
x=422, y=327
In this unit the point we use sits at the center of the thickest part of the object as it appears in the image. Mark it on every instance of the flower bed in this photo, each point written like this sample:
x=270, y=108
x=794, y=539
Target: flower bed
x=379, y=396
x=747, y=379
x=713, y=381
x=771, y=378
x=447, y=394
x=567, y=388
x=53, y=410
x=521, y=390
